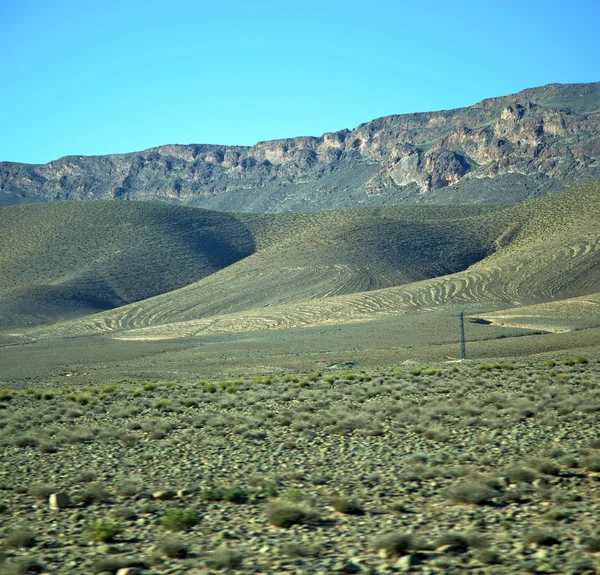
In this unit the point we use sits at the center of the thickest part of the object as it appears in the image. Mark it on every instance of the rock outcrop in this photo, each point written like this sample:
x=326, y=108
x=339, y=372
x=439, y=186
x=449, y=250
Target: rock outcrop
x=539, y=140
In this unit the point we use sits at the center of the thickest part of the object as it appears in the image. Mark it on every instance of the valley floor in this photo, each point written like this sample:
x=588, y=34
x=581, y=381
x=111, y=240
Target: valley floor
x=488, y=467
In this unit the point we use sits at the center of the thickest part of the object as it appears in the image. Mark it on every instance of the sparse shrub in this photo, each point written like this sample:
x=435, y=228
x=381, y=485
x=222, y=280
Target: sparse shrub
x=47, y=447
x=515, y=496
x=124, y=514
x=226, y=558
x=21, y=537
x=21, y=566
x=436, y=434
x=179, y=519
x=543, y=537
x=477, y=540
x=127, y=488
x=550, y=363
x=521, y=475
x=3, y=507
x=232, y=494
x=285, y=514
x=109, y=388
x=591, y=462
x=416, y=372
x=456, y=541
x=394, y=544
x=488, y=557
x=592, y=544
x=94, y=493
x=472, y=492
x=173, y=547
x=27, y=441
x=42, y=490
x=158, y=433
x=346, y=505
x=293, y=494
x=298, y=550
x=163, y=404
x=484, y=367
x=84, y=398
x=545, y=466
x=87, y=476
x=103, y=530
x=399, y=509
x=109, y=565
x=582, y=566
x=557, y=514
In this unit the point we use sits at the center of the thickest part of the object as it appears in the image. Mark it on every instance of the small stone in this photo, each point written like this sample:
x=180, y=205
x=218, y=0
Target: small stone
x=59, y=501
x=163, y=494
x=128, y=571
x=408, y=561
x=183, y=492
x=264, y=549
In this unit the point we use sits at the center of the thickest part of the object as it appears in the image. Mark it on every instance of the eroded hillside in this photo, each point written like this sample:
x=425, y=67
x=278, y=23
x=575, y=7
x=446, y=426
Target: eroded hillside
x=500, y=150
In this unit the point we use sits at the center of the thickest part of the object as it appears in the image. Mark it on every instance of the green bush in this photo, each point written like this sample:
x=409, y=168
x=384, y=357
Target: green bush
x=226, y=558
x=103, y=530
x=20, y=537
x=346, y=505
x=232, y=494
x=173, y=547
x=472, y=492
x=179, y=519
x=394, y=544
x=285, y=514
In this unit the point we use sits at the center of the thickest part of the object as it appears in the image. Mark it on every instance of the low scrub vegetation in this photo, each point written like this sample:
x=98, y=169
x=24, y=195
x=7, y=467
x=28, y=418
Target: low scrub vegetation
x=372, y=469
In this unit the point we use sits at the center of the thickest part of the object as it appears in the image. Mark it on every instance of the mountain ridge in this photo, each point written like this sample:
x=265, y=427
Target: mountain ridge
x=500, y=150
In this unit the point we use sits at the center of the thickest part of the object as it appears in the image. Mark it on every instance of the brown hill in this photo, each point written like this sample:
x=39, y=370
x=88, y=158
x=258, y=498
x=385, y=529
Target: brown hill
x=500, y=150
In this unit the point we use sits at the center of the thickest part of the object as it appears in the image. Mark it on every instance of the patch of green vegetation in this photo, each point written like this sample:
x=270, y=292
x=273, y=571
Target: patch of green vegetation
x=231, y=494
x=179, y=519
x=103, y=530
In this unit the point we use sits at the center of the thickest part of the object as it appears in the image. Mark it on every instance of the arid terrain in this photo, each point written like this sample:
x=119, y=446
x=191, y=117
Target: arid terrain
x=185, y=390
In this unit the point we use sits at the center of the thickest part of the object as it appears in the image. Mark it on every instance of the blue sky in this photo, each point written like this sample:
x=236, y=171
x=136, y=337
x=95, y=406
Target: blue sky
x=118, y=76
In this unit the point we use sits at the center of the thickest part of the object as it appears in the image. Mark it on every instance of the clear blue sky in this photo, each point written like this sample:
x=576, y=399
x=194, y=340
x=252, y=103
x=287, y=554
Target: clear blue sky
x=97, y=77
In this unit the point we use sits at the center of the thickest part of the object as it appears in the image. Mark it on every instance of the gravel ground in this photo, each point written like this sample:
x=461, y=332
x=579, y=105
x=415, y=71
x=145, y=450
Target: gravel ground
x=439, y=469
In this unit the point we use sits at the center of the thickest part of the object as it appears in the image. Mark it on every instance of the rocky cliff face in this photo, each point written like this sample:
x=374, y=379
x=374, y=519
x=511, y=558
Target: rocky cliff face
x=518, y=146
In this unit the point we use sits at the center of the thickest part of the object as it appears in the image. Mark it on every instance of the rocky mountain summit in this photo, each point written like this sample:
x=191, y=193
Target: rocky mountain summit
x=500, y=150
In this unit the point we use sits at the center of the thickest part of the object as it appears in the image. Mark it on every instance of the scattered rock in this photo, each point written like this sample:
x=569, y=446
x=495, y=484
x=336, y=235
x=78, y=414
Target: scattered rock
x=164, y=494
x=408, y=561
x=59, y=501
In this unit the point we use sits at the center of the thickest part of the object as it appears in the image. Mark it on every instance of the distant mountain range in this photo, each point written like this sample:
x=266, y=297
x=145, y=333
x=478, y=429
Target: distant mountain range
x=501, y=150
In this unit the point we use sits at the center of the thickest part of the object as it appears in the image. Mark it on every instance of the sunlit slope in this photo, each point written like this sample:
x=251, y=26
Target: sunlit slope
x=557, y=316
x=65, y=259
x=545, y=250
x=302, y=257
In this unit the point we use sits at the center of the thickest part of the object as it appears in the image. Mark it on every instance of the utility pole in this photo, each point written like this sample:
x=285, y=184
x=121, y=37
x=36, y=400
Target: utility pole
x=463, y=349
